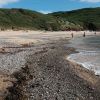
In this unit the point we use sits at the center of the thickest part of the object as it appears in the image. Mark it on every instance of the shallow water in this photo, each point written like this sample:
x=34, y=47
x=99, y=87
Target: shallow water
x=89, y=52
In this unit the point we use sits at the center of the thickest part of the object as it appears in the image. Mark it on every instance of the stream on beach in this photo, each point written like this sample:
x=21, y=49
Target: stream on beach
x=88, y=52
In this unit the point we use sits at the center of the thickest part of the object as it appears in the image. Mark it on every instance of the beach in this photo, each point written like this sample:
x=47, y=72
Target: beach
x=33, y=64
x=88, y=52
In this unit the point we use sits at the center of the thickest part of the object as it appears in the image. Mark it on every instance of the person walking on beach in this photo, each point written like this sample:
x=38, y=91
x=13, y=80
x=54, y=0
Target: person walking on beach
x=72, y=35
x=84, y=34
x=95, y=33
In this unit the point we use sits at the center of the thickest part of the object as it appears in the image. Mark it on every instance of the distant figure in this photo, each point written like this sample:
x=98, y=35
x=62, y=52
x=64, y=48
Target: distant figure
x=95, y=33
x=2, y=29
x=84, y=34
x=72, y=35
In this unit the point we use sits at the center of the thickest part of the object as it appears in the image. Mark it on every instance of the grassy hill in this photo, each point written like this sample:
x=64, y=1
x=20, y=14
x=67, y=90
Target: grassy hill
x=88, y=18
x=26, y=19
x=81, y=19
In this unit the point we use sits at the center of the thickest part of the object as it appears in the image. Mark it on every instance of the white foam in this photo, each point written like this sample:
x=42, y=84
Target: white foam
x=88, y=59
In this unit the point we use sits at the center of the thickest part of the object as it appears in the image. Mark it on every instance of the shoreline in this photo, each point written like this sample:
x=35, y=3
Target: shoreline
x=81, y=57
x=47, y=67
x=50, y=51
x=82, y=64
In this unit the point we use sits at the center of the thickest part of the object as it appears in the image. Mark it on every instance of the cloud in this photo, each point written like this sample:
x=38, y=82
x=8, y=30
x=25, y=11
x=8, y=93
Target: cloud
x=45, y=12
x=91, y=1
x=5, y=2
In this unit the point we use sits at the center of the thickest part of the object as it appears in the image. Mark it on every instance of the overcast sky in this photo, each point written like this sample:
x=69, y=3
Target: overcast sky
x=46, y=6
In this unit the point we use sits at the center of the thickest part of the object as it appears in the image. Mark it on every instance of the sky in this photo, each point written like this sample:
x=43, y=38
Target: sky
x=47, y=6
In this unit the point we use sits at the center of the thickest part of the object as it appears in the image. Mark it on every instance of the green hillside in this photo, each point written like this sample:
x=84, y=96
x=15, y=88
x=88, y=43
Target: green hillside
x=26, y=19
x=88, y=18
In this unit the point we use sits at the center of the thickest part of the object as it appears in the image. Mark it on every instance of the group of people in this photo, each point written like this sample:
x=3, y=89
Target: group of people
x=83, y=34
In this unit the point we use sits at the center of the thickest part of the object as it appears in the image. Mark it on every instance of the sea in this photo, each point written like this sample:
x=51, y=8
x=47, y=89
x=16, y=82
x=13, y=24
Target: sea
x=88, y=52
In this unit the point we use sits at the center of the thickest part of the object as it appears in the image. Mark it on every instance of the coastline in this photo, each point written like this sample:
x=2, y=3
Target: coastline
x=47, y=72
x=49, y=75
x=87, y=52
x=84, y=65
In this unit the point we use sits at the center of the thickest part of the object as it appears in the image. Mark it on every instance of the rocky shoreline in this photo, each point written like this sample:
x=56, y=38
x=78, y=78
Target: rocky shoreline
x=47, y=75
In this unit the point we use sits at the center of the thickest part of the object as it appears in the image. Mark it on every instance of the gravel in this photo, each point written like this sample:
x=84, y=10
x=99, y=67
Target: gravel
x=47, y=75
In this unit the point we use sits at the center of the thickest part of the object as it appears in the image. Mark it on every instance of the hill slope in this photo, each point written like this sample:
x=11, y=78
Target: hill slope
x=81, y=19
x=88, y=18
x=26, y=19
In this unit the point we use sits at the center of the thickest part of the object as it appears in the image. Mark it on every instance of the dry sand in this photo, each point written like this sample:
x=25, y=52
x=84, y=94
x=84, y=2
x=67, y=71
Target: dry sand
x=22, y=37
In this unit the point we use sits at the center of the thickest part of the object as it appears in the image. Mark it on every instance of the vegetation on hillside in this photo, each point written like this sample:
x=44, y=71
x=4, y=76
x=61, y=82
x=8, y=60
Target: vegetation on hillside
x=88, y=18
x=26, y=19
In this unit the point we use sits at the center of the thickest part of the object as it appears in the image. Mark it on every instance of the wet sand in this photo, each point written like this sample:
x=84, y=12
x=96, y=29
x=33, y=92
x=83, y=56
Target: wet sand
x=47, y=75
x=88, y=52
